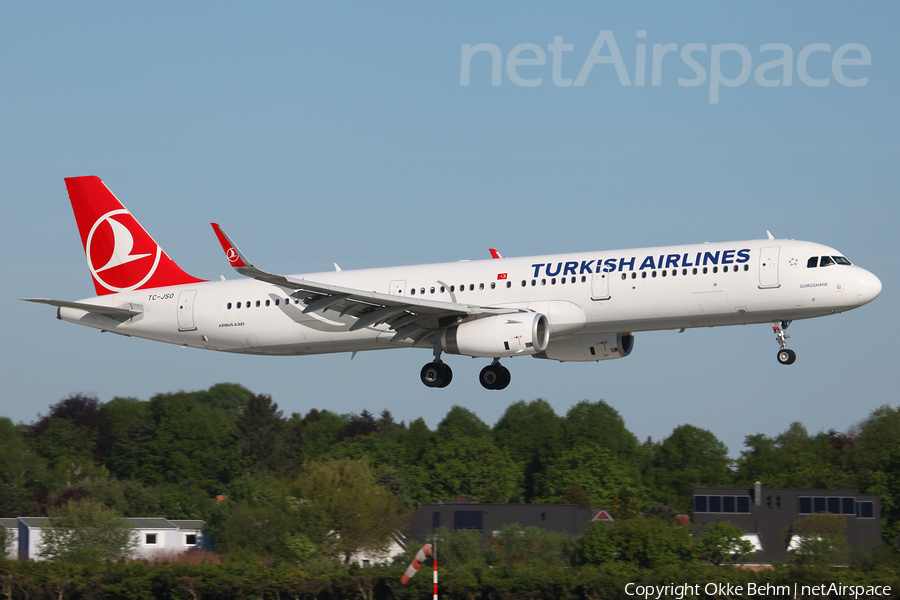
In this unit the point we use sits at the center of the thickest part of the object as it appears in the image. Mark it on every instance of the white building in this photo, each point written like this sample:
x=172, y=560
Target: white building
x=154, y=536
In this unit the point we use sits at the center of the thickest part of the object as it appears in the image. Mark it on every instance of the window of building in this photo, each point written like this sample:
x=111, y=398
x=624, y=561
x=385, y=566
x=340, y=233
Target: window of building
x=468, y=519
x=150, y=539
x=190, y=539
x=721, y=504
x=865, y=510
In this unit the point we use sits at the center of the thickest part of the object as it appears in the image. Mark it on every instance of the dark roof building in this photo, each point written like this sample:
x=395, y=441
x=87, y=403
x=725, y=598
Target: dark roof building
x=489, y=518
x=767, y=515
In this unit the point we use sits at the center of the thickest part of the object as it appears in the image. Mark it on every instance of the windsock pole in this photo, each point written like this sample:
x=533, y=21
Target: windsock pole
x=434, y=554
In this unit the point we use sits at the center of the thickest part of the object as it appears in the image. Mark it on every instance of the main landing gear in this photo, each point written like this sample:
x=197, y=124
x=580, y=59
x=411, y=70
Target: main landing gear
x=438, y=375
x=785, y=356
x=494, y=376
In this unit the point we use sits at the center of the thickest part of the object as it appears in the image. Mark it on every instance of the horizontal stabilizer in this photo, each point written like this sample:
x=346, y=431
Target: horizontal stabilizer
x=109, y=311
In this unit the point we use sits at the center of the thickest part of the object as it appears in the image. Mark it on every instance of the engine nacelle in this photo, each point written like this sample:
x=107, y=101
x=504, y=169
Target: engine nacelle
x=589, y=348
x=500, y=335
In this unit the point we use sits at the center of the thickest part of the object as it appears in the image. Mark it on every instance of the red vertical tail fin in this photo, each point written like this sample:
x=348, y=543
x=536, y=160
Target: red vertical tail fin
x=120, y=253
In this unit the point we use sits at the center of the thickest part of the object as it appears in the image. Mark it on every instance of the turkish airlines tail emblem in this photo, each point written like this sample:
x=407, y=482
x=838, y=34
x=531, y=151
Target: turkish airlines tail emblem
x=120, y=253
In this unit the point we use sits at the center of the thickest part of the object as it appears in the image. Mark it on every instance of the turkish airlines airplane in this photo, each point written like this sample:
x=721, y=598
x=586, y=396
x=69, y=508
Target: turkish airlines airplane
x=580, y=307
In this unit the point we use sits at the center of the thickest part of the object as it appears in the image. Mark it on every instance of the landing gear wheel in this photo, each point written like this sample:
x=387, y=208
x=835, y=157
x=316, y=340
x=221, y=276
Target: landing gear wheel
x=436, y=374
x=494, y=377
x=448, y=376
x=787, y=357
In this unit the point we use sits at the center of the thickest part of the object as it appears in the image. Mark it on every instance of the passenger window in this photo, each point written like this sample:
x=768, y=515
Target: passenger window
x=812, y=263
x=412, y=291
x=238, y=305
x=624, y=276
x=543, y=282
x=705, y=270
x=480, y=286
x=509, y=284
x=523, y=283
x=452, y=288
x=553, y=281
x=664, y=273
x=229, y=306
x=725, y=268
x=533, y=282
x=654, y=274
x=432, y=290
x=634, y=275
x=644, y=275
x=684, y=271
x=715, y=269
x=472, y=287
x=825, y=261
x=583, y=279
x=493, y=284
x=268, y=302
x=442, y=289
x=746, y=267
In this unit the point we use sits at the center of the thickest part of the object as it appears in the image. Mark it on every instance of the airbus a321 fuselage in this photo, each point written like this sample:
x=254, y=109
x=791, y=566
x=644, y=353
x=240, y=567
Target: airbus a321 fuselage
x=581, y=307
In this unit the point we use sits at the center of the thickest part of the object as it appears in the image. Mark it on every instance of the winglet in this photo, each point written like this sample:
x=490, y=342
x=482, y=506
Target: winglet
x=235, y=256
x=768, y=233
x=494, y=253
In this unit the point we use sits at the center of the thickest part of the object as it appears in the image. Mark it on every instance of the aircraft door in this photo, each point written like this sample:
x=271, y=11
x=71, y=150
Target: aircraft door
x=398, y=287
x=186, y=310
x=768, y=267
x=600, y=286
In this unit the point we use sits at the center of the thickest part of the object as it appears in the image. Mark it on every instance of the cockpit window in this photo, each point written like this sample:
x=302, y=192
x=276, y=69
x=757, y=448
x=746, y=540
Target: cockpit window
x=812, y=263
x=825, y=261
x=841, y=260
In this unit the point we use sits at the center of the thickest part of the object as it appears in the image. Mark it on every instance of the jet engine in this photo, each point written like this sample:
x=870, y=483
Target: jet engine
x=499, y=335
x=588, y=348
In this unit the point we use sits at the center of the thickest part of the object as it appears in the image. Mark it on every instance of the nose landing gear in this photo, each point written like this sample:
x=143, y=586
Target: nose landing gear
x=785, y=356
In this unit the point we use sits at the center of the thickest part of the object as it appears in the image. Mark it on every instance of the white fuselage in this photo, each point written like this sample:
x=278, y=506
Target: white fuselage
x=699, y=285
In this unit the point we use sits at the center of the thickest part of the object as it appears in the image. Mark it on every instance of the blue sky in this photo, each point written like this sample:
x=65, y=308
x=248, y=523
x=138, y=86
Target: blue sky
x=319, y=133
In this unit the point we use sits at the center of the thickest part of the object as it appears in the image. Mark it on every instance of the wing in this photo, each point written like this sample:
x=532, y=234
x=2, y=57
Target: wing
x=414, y=318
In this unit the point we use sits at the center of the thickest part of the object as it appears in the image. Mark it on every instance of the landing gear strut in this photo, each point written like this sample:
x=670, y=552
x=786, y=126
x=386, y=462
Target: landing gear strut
x=494, y=376
x=436, y=374
x=785, y=356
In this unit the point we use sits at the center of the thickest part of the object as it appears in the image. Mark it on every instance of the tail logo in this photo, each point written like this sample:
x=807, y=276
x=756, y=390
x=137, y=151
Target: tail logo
x=123, y=249
x=232, y=255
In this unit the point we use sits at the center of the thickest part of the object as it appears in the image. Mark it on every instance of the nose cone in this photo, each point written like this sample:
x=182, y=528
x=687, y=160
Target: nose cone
x=869, y=288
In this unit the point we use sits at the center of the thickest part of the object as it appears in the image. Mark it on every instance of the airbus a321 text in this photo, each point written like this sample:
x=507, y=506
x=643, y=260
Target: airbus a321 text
x=583, y=307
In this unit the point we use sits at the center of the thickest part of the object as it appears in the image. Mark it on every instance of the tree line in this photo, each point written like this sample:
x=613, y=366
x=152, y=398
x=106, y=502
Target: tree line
x=173, y=455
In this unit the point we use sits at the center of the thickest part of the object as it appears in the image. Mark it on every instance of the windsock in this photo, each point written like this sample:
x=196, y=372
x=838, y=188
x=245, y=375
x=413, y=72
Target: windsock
x=427, y=551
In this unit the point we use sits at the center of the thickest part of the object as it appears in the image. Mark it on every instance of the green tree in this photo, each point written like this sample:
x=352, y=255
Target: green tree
x=361, y=514
x=597, y=545
x=85, y=532
x=591, y=467
x=131, y=429
x=821, y=541
x=723, y=542
x=193, y=444
x=690, y=457
x=261, y=434
x=601, y=424
x=22, y=471
x=532, y=433
x=465, y=460
x=651, y=543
